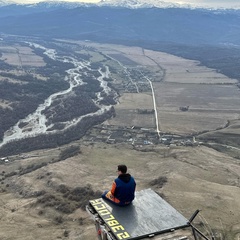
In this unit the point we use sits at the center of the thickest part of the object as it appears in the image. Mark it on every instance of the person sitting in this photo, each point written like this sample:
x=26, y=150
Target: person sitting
x=123, y=188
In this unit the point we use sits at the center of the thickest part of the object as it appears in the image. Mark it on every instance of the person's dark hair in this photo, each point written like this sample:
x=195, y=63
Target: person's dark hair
x=122, y=168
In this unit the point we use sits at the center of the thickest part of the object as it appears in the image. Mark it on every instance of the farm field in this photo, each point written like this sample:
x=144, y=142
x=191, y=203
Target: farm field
x=213, y=98
x=21, y=56
x=35, y=186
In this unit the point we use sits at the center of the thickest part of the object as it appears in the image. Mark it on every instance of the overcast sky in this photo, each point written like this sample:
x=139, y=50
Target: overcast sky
x=210, y=3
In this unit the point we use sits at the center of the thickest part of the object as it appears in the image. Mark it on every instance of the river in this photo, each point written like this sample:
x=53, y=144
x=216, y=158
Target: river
x=35, y=123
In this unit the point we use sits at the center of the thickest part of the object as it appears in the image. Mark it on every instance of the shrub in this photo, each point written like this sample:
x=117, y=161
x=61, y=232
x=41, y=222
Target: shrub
x=67, y=200
x=69, y=152
x=40, y=212
x=58, y=219
x=81, y=221
x=159, y=182
x=62, y=189
x=66, y=233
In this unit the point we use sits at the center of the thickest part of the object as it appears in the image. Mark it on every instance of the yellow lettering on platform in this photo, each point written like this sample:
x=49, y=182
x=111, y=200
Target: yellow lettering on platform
x=117, y=228
x=104, y=212
x=95, y=202
x=111, y=217
x=123, y=235
x=101, y=207
x=112, y=223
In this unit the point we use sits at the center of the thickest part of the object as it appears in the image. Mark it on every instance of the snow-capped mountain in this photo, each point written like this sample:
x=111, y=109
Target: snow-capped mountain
x=138, y=4
x=131, y=4
x=129, y=20
x=48, y=4
x=4, y=3
x=60, y=4
x=111, y=3
x=163, y=4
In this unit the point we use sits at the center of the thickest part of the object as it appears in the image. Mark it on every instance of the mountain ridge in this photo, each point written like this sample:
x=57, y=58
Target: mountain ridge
x=176, y=25
x=132, y=4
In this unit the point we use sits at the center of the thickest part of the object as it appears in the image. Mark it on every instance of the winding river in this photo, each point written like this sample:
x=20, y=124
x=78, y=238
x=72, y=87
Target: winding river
x=36, y=122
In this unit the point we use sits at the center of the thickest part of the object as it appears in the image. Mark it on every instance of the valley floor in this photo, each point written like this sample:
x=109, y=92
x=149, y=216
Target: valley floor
x=42, y=194
x=196, y=178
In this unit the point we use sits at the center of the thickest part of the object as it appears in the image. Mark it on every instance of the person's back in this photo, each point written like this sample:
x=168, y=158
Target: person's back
x=123, y=188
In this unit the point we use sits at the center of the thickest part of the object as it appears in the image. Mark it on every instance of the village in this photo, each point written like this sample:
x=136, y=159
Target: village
x=136, y=136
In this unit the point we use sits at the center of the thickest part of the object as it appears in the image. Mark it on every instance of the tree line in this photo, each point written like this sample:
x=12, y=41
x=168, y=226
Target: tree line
x=55, y=140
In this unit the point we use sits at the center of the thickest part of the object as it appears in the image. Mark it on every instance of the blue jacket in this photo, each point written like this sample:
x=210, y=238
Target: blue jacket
x=123, y=188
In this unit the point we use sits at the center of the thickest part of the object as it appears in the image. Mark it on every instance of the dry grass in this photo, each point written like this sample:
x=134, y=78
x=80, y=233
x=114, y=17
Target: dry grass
x=190, y=177
x=196, y=178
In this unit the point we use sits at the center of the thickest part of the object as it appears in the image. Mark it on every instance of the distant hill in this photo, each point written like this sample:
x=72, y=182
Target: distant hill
x=106, y=23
